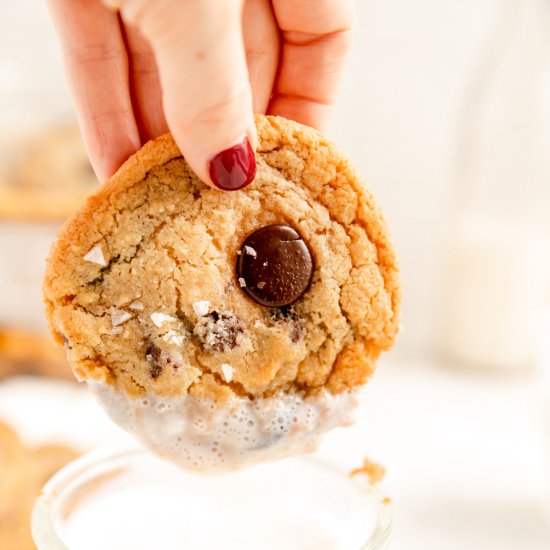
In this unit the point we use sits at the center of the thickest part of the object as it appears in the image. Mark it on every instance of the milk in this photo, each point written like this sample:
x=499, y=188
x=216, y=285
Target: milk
x=293, y=504
x=203, y=436
x=497, y=278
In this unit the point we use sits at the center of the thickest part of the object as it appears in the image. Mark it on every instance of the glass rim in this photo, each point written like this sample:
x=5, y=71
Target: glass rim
x=43, y=521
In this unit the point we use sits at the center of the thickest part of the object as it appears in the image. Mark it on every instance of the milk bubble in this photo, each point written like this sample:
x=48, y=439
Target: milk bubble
x=198, y=434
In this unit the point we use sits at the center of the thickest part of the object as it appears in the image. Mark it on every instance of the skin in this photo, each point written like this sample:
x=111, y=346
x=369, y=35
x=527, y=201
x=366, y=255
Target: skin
x=198, y=68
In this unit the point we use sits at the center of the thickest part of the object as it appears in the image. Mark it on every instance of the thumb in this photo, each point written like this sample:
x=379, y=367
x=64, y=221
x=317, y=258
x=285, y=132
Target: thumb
x=207, y=98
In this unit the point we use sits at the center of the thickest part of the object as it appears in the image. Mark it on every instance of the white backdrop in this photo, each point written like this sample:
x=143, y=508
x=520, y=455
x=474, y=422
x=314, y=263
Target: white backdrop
x=397, y=118
x=463, y=449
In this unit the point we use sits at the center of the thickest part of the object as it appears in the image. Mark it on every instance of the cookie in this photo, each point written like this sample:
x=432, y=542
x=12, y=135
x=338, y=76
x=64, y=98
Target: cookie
x=226, y=329
x=31, y=352
x=47, y=177
x=161, y=285
x=23, y=472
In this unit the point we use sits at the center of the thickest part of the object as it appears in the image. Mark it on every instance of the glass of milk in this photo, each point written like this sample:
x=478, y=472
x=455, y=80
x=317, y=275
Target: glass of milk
x=129, y=498
x=498, y=240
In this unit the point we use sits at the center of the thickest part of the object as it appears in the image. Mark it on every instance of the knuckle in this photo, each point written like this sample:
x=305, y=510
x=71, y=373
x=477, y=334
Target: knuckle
x=189, y=15
x=94, y=53
x=211, y=110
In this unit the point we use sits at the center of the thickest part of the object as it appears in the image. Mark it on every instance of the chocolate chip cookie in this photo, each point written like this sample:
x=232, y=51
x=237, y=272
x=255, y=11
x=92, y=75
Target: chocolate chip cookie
x=23, y=472
x=46, y=176
x=31, y=352
x=162, y=285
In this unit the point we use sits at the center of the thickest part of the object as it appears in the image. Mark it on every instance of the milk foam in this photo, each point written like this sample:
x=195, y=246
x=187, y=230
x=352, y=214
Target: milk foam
x=199, y=435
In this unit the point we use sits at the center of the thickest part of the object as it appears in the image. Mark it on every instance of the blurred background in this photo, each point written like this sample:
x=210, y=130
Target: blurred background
x=445, y=109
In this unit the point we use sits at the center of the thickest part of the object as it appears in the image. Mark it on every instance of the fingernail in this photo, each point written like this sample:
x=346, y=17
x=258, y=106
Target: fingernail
x=233, y=168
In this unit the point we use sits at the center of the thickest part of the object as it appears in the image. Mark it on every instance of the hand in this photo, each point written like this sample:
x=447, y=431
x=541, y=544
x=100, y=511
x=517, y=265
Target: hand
x=199, y=68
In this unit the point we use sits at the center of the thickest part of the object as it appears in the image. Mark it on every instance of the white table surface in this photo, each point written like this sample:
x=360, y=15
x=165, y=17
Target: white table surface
x=463, y=450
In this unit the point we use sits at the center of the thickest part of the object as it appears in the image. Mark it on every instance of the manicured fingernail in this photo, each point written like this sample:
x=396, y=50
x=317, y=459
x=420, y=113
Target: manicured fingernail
x=233, y=168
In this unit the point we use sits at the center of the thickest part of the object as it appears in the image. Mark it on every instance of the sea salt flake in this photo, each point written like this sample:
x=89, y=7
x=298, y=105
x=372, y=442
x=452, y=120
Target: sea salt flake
x=178, y=339
x=228, y=372
x=137, y=306
x=201, y=307
x=116, y=330
x=172, y=337
x=242, y=282
x=160, y=318
x=265, y=264
x=95, y=256
x=118, y=316
x=250, y=251
x=261, y=284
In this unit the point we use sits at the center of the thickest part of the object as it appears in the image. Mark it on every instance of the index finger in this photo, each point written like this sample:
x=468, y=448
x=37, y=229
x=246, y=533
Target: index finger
x=97, y=67
x=316, y=40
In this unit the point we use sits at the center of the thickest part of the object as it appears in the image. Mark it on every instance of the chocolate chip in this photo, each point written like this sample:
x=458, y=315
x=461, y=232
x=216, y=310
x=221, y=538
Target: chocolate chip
x=282, y=313
x=159, y=360
x=68, y=298
x=219, y=331
x=294, y=323
x=155, y=370
x=296, y=331
x=66, y=342
x=276, y=265
x=153, y=356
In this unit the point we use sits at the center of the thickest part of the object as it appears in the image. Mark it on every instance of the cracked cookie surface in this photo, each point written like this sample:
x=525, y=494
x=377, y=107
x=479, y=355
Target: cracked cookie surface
x=141, y=285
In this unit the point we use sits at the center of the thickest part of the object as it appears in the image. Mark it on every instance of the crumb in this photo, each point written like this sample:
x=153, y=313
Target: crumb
x=242, y=282
x=374, y=472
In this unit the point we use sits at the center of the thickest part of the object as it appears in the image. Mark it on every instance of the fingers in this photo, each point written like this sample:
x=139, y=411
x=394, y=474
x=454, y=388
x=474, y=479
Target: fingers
x=316, y=39
x=261, y=39
x=145, y=87
x=206, y=93
x=97, y=67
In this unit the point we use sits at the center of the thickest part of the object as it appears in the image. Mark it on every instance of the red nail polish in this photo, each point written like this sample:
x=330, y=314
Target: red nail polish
x=233, y=168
